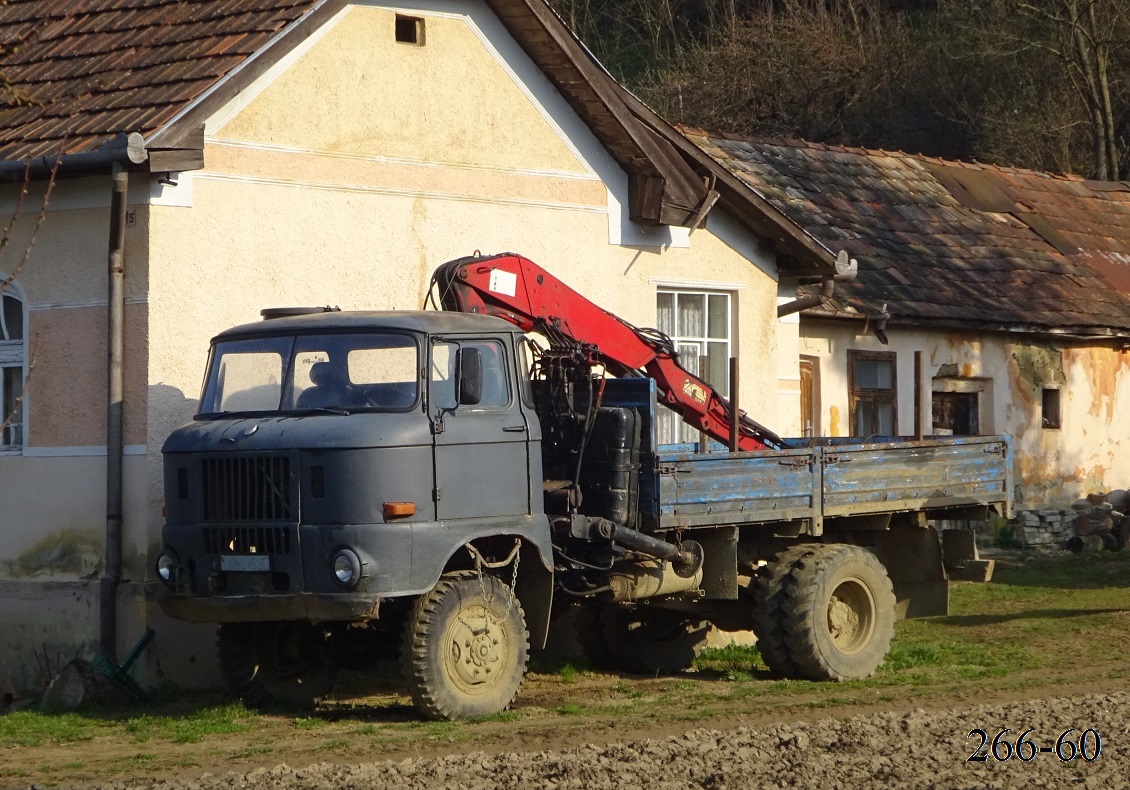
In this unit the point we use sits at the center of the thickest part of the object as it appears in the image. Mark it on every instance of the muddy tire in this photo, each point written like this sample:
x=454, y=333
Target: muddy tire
x=275, y=664
x=653, y=641
x=464, y=653
x=769, y=610
x=839, y=613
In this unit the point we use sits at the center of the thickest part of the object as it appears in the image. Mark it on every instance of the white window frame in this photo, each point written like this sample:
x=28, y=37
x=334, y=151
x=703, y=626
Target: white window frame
x=13, y=354
x=670, y=425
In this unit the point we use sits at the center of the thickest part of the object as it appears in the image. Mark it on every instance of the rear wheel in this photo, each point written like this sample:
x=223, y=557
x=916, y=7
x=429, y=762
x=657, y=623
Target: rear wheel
x=769, y=612
x=465, y=647
x=275, y=664
x=839, y=613
x=653, y=641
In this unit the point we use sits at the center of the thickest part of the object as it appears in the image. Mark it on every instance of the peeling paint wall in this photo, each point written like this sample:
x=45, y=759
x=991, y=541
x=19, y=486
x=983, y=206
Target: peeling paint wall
x=1054, y=466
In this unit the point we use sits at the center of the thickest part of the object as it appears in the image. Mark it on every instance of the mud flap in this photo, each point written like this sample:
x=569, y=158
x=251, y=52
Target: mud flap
x=913, y=559
x=535, y=590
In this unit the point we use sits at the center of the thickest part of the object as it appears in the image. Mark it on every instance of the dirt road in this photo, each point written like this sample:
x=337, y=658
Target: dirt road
x=884, y=750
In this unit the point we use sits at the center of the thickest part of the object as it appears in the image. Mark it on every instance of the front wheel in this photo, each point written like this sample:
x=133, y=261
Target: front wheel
x=465, y=647
x=275, y=664
x=839, y=613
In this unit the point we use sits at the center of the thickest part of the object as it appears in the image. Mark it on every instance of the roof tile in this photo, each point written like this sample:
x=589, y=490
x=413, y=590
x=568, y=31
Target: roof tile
x=927, y=256
x=97, y=68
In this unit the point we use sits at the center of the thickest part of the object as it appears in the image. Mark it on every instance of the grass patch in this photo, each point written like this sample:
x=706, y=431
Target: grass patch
x=568, y=710
x=568, y=673
x=309, y=723
x=736, y=663
x=506, y=715
x=28, y=728
x=216, y=720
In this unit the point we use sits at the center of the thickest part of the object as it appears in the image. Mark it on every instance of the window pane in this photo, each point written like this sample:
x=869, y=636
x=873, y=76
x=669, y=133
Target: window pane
x=382, y=366
x=689, y=354
x=719, y=325
x=719, y=368
x=303, y=362
x=864, y=414
x=251, y=382
x=495, y=391
x=692, y=317
x=873, y=374
x=13, y=319
x=669, y=427
x=665, y=313
x=443, y=376
x=886, y=425
x=11, y=387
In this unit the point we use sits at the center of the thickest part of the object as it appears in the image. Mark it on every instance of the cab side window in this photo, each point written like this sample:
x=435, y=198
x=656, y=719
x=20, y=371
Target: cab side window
x=496, y=390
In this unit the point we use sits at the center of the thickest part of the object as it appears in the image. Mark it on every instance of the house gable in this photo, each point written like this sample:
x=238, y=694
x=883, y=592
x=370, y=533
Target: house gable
x=357, y=91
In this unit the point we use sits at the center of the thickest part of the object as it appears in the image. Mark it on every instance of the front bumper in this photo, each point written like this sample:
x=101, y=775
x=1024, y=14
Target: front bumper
x=313, y=607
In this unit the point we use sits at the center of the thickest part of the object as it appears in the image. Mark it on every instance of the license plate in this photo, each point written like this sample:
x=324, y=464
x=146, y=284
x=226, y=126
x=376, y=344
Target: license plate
x=245, y=562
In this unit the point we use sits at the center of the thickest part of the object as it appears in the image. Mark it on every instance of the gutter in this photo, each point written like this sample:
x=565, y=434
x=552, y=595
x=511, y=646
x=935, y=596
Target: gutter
x=1081, y=334
x=125, y=150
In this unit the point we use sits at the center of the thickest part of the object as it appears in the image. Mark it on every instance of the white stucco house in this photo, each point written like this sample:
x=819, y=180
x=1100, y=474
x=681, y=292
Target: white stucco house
x=209, y=159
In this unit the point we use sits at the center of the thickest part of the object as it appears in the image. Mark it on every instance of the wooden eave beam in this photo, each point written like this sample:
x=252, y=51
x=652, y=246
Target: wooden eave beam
x=662, y=187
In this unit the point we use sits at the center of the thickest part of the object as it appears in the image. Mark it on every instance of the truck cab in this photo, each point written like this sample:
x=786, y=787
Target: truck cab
x=339, y=462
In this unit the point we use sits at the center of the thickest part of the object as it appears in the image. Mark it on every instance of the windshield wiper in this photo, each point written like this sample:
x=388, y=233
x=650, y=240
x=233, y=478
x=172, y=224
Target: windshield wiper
x=319, y=410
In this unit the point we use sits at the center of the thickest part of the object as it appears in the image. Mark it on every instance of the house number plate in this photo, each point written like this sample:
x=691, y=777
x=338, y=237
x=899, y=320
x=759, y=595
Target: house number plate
x=245, y=562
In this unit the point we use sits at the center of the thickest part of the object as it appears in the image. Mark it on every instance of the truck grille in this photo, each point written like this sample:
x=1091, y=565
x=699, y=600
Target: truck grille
x=247, y=540
x=253, y=488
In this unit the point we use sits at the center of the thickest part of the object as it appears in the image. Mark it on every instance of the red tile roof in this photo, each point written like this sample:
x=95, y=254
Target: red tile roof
x=75, y=75
x=951, y=243
x=83, y=71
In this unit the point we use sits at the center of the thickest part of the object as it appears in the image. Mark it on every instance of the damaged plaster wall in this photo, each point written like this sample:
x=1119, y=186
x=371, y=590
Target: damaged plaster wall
x=1054, y=466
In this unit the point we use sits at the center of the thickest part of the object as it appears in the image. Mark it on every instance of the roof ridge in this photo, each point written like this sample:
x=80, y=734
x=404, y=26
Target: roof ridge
x=796, y=142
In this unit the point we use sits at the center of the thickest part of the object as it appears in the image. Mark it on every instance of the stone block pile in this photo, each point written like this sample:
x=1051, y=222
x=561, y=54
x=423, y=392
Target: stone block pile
x=1044, y=527
x=1095, y=522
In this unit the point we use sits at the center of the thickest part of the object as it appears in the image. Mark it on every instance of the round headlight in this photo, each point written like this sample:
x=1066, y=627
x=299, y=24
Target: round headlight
x=346, y=567
x=167, y=566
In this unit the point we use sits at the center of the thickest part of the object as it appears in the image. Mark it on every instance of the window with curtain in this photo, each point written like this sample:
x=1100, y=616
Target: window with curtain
x=874, y=393
x=13, y=351
x=699, y=324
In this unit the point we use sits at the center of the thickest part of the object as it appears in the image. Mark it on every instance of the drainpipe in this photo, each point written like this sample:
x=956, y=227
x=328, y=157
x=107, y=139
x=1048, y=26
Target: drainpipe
x=845, y=272
x=114, y=455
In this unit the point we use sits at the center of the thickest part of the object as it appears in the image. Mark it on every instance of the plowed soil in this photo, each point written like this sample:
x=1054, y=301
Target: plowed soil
x=910, y=749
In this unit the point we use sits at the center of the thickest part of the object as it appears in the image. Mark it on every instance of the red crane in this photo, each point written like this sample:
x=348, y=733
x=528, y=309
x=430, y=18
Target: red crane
x=518, y=290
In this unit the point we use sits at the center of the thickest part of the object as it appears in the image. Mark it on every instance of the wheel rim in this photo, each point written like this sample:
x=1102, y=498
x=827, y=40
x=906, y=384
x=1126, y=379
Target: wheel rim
x=851, y=616
x=477, y=650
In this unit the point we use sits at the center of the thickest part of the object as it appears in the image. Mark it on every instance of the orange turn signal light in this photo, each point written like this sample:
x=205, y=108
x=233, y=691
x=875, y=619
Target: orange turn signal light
x=399, y=509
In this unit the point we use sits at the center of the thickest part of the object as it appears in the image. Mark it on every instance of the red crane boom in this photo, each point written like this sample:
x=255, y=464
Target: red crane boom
x=516, y=289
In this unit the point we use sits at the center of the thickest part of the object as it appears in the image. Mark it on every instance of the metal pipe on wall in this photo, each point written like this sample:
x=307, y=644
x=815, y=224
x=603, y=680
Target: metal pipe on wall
x=735, y=413
x=114, y=419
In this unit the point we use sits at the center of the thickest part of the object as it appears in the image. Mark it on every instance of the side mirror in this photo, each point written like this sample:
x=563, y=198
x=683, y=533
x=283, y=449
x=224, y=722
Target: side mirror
x=469, y=375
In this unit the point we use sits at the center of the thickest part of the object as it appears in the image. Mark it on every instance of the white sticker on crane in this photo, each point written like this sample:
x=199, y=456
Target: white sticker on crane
x=502, y=282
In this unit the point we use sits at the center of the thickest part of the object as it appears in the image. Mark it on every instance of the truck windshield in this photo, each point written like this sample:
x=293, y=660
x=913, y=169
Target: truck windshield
x=312, y=373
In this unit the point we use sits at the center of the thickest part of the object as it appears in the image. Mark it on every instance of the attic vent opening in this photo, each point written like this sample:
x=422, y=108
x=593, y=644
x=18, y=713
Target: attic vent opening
x=410, y=30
